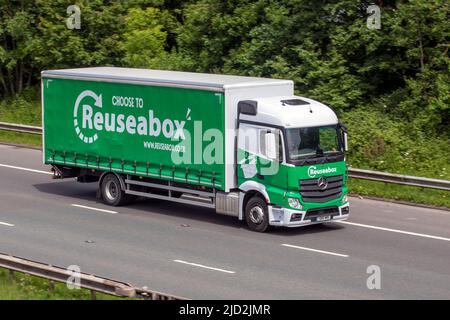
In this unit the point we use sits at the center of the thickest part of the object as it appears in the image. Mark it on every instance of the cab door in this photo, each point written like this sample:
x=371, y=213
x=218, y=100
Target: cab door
x=260, y=158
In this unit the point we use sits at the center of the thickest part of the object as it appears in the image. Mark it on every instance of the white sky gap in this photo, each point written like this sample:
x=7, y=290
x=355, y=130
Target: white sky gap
x=91, y=208
x=315, y=250
x=6, y=224
x=25, y=169
x=202, y=266
x=394, y=230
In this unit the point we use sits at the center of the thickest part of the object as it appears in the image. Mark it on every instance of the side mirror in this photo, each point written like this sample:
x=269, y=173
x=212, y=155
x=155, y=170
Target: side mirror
x=345, y=141
x=344, y=135
x=271, y=145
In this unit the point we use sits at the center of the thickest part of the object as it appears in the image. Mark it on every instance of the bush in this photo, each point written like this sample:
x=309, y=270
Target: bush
x=24, y=108
x=380, y=142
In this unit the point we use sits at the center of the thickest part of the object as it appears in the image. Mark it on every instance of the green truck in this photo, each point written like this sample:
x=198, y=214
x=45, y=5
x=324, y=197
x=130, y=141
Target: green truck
x=244, y=146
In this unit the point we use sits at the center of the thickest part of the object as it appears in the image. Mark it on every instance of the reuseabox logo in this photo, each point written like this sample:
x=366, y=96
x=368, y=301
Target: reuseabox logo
x=81, y=132
x=90, y=120
x=313, y=171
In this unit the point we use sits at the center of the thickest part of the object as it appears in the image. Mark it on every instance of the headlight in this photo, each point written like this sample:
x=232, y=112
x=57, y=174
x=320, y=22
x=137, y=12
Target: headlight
x=294, y=203
x=344, y=199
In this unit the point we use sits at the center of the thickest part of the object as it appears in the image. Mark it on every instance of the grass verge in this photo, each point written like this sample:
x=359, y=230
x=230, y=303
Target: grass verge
x=26, y=139
x=411, y=194
x=27, y=287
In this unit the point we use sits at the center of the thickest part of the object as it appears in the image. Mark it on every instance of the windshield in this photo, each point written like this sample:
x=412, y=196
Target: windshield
x=312, y=142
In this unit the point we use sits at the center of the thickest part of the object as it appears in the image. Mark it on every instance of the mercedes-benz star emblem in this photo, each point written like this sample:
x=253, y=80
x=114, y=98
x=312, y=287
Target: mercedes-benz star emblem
x=322, y=183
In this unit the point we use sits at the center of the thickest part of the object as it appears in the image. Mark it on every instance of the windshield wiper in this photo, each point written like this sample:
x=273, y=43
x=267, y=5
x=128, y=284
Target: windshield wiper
x=319, y=157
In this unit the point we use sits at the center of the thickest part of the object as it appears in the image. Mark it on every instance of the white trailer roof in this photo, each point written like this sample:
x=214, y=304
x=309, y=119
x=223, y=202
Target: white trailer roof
x=204, y=81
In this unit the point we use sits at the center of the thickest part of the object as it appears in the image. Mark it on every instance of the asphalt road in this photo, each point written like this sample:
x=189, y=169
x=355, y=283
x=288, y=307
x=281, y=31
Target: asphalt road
x=196, y=253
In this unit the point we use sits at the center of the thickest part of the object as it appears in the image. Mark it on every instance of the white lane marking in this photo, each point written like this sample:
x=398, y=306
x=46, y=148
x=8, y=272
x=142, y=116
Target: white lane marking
x=315, y=250
x=25, y=169
x=395, y=230
x=6, y=224
x=91, y=208
x=202, y=266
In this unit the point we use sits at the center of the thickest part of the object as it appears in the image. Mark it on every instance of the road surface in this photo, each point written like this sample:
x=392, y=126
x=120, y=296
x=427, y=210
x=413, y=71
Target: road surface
x=194, y=252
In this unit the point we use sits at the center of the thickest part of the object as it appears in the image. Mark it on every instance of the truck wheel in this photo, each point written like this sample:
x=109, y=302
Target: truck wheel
x=112, y=193
x=256, y=214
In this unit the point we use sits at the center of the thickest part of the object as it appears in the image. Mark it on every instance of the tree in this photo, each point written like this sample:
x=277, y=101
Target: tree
x=145, y=38
x=16, y=45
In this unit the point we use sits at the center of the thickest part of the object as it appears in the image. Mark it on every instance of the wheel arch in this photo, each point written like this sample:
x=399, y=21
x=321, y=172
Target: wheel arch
x=118, y=176
x=248, y=190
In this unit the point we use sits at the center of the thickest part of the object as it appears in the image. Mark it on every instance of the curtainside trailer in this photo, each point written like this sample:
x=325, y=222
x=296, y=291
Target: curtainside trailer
x=244, y=146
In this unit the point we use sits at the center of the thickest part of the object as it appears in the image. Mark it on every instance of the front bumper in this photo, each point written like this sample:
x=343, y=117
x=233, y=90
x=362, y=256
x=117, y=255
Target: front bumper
x=284, y=217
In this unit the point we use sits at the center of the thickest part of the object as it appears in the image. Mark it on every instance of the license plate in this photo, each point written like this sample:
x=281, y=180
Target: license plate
x=324, y=218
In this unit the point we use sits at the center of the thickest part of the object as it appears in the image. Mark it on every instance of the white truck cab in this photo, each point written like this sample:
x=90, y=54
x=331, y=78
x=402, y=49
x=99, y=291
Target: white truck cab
x=291, y=149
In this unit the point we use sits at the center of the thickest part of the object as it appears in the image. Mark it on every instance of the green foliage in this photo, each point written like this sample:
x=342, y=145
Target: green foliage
x=381, y=143
x=24, y=109
x=19, y=138
x=143, y=38
x=34, y=36
x=26, y=287
x=399, y=193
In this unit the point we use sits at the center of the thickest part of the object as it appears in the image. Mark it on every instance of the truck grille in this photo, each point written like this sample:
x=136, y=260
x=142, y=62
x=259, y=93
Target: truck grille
x=312, y=192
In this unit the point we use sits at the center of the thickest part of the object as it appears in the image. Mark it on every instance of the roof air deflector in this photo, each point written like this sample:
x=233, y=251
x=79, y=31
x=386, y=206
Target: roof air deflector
x=294, y=102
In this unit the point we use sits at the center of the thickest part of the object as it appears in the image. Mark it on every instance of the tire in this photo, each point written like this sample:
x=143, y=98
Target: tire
x=256, y=214
x=111, y=191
